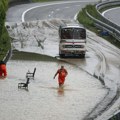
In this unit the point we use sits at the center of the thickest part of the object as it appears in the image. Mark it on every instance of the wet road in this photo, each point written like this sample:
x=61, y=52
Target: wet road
x=102, y=60
x=43, y=100
x=113, y=15
x=44, y=10
x=64, y=10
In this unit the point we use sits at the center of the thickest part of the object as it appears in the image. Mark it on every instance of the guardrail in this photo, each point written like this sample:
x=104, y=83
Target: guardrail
x=7, y=57
x=106, y=4
x=106, y=24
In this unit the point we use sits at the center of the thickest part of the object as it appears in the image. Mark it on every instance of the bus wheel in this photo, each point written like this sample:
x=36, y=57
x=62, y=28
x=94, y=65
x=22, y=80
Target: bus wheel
x=83, y=55
x=62, y=55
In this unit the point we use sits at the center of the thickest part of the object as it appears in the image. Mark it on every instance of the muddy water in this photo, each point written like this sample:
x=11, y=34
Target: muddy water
x=43, y=100
x=101, y=60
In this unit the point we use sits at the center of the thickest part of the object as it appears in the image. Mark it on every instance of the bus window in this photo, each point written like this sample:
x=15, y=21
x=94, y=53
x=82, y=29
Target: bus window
x=83, y=34
x=73, y=33
x=67, y=33
x=79, y=33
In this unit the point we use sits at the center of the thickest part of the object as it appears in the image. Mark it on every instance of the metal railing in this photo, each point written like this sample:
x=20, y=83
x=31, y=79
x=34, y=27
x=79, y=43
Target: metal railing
x=104, y=5
x=7, y=57
x=106, y=24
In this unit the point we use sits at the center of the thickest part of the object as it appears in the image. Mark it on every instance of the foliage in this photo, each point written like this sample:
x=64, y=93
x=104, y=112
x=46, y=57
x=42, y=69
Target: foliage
x=4, y=37
x=84, y=19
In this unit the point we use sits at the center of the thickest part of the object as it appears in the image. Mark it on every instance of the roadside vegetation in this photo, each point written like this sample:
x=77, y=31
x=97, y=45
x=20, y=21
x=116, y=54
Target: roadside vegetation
x=89, y=23
x=42, y=0
x=32, y=56
x=4, y=37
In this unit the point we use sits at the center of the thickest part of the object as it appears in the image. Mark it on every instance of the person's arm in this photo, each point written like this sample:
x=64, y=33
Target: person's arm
x=66, y=72
x=56, y=74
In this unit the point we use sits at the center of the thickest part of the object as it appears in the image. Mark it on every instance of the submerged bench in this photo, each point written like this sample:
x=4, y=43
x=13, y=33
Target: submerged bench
x=24, y=85
x=31, y=74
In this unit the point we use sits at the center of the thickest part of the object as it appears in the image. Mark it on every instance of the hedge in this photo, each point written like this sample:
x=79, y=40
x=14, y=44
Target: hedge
x=4, y=37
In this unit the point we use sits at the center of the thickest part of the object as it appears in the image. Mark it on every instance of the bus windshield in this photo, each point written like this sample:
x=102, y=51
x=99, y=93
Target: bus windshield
x=73, y=33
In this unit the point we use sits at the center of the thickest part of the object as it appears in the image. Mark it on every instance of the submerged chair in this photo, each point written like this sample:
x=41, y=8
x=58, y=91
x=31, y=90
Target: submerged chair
x=31, y=75
x=24, y=85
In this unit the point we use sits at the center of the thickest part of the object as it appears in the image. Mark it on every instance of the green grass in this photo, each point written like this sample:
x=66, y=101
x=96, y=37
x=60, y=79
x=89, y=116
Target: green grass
x=89, y=23
x=31, y=56
x=4, y=37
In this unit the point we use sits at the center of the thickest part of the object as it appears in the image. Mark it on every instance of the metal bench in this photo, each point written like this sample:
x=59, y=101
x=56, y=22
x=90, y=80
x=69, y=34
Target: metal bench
x=31, y=75
x=24, y=85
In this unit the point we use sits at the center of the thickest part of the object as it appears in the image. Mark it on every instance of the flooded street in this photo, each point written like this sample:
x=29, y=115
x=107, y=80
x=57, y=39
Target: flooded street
x=91, y=89
x=101, y=63
x=43, y=100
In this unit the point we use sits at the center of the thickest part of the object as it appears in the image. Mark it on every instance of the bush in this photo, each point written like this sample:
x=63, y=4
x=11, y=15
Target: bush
x=84, y=19
x=4, y=37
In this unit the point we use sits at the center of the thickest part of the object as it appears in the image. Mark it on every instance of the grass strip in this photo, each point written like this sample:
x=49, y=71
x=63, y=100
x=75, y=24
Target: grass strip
x=18, y=55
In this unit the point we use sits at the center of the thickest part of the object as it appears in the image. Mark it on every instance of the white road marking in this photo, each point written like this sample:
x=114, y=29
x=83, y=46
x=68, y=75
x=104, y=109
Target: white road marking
x=67, y=7
x=57, y=9
x=103, y=13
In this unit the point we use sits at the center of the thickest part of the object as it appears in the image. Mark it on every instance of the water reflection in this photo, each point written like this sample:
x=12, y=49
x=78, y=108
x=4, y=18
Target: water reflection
x=60, y=91
x=45, y=100
x=23, y=89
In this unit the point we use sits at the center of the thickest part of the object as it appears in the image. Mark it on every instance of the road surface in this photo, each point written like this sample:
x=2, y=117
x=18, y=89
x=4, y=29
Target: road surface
x=113, y=15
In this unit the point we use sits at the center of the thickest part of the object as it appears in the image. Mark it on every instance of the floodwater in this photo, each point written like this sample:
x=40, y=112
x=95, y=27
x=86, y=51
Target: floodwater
x=83, y=97
x=44, y=100
x=101, y=61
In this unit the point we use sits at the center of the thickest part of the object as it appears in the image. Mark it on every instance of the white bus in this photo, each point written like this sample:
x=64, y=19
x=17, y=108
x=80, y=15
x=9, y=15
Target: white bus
x=72, y=40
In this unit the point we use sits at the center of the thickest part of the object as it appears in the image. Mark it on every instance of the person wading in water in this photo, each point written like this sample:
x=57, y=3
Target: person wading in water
x=62, y=73
x=3, y=70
